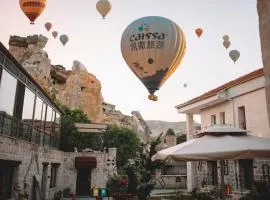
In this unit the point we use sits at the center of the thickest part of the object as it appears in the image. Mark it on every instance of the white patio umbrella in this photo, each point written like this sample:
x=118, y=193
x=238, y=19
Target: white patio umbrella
x=219, y=142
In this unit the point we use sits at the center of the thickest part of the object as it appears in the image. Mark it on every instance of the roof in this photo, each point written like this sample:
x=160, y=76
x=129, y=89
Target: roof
x=19, y=66
x=238, y=81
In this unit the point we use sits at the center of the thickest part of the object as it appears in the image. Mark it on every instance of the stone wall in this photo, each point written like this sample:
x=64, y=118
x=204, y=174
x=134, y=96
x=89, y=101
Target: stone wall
x=233, y=177
x=32, y=157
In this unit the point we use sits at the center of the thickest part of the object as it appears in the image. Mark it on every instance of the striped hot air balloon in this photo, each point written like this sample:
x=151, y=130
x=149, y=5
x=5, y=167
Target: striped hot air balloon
x=32, y=8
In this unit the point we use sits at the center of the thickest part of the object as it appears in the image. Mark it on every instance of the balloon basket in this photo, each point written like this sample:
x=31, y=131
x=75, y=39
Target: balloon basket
x=152, y=97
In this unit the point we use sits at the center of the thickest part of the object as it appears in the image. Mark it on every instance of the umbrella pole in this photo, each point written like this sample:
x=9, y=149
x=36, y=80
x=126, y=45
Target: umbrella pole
x=222, y=179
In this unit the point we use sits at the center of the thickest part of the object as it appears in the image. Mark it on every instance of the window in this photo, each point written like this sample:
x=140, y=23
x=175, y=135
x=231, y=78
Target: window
x=245, y=173
x=19, y=98
x=226, y=167
x=54, y=170
x=213, y=120
x=266, y=173
x=7, y=92
x=49, y=117
x=28, y=106
x=222, y=117
x=242, y=117
x=212, y=173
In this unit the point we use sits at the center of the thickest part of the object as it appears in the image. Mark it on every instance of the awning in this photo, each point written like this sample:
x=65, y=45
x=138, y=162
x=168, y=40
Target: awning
x=85, y=162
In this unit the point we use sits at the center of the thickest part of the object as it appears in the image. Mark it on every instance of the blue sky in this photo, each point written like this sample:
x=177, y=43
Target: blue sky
x=96, y=43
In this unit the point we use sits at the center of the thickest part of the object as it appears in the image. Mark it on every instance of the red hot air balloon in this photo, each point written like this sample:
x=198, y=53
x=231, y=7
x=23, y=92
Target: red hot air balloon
x=199, y=32
x=48, y=26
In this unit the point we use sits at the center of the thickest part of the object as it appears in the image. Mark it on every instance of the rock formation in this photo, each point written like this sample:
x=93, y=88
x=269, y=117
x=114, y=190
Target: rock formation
x=75, y=88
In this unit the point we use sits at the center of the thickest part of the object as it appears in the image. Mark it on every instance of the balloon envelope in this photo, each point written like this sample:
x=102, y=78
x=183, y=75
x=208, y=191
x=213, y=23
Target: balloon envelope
x=185, y=85
x=153, y=48
x=48, y=26
x=226, y=44
x=32, y=8
x=103, y=7
x=234, y=55
x=64, y=39
x=226, y=37
x=199, y=32
x=54, y=34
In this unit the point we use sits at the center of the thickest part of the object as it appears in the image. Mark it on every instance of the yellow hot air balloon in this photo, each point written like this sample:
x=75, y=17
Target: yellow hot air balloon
x=32, y=8
x=226, y=38
x=103, y=7
x=234, y=55
x=153, y=48
x=48, y=26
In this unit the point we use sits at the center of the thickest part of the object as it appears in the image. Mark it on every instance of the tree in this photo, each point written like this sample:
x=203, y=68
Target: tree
x=181, y=138
x=140, y=172
x=170, y=132
x=69, y=136
x=126, y=142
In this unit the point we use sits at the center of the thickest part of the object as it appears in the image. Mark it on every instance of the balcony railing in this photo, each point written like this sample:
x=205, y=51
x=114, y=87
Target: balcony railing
x=13, y=127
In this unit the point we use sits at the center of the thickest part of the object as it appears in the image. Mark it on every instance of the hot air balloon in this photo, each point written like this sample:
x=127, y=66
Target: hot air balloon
x=226, y=38
x=234, y=55
x=199, y=32
x=185, y=85
x=32, y=8
x=64, y=39
x=54, y=34
x=153, y=48
x=103, y=7
x=48, y=26
x=226, y=44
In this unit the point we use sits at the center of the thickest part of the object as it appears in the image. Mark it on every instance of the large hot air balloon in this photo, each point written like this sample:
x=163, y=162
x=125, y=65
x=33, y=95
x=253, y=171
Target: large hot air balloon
x=226, y=38
x=153, y=48
x=32, y=8
x=199, y=32
x=226, y=44
x=48, y=26
x=234, y=55
x=103, y=7
x=64, y=39
x=55, y=34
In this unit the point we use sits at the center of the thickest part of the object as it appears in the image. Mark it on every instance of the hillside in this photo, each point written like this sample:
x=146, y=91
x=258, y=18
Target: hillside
x=158, y=127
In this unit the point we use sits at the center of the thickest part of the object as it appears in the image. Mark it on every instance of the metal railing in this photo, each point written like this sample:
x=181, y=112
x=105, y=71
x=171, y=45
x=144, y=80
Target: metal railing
x=16, y=128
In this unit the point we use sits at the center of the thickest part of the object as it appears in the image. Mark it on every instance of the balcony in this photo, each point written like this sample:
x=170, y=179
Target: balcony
x=15, y=128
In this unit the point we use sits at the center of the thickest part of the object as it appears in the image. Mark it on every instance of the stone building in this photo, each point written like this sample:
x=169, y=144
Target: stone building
x=176, y=175
x=30, y=162
x=241, y=103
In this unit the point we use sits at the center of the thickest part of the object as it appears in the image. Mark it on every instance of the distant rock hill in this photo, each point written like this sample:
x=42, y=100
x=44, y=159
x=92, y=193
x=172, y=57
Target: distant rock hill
x=158, y=127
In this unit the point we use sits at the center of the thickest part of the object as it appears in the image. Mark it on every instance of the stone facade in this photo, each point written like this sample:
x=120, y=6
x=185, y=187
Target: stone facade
x=31, y=159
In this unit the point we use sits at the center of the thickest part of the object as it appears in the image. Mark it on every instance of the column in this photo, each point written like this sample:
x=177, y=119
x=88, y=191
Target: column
x=263, y=8
x=191, y=166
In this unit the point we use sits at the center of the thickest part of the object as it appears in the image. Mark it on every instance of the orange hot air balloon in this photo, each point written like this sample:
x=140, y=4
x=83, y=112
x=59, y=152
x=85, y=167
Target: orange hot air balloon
x=32, y=8
x=199, y=32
